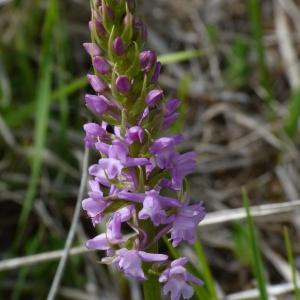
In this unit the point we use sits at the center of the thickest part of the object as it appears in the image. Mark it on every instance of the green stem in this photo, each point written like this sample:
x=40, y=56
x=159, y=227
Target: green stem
x=151, y=287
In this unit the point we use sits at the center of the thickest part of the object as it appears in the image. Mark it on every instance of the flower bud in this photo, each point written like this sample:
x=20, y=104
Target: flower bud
x=101, y=64
x=156, y=73
x=153, y=97
x=140, y=29
x=97, y=83
x=135, y=134
x=92, y=49
x=98, y=27
x=118, y=46
x=128, y=27
x=123, y=84
x=97, y=104
x=171, y=106
x=131, y=5
x=147, y=60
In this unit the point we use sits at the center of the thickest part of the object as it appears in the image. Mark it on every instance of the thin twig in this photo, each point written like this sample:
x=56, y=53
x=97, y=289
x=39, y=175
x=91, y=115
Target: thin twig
x=71, y=234
x=286, y=47
x=257, y=212
x=274, y=290
x=18, y=262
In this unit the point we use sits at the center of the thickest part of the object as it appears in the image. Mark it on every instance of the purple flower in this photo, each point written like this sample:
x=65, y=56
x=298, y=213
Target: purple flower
x=111, y=166
x=97, y=83
x=169, y=120
x=153, y=97
x=186, y=223
x=113, y=229
x=184, y=165
x=118, y=46
x=147, y=60
x=123, y=84
x=170, y=113
x=96, y=203
x=101, y=64
x=166, y=154
x=135, y=173
x=152, y=209
x=176, y=279
x=130, y=262
x=171, y=106
x=140, y=28
x=92, y=49
x=118, y=150
x=164, y=143
x=93, y=133
x=97, y=104
x=113, y=232
x=134, y=134
x=98, y=27
x=99, y=174
x=156, y=73
x=140, y=197
x=99, y=242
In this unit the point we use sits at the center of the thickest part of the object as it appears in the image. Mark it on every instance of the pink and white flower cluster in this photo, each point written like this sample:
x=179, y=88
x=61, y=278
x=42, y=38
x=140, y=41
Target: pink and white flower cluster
x=137, y=187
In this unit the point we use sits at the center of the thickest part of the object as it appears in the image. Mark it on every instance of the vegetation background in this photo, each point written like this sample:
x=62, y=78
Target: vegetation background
x=235, y=65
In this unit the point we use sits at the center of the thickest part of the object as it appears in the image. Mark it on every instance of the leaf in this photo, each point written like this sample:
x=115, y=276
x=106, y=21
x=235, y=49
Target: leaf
x=176, y=57
x=292, y=120
x=41, y=117
x=292, y=264
x=257, y=263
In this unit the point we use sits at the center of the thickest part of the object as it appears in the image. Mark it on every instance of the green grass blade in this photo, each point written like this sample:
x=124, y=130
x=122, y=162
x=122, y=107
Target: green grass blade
x=291, y=122
x=176, y=57
x=5, y=88
x=291, y=260
x=241, y=240
x=62, y=51
x=32, y=247
x=258, y=267
x=206, y=272
x=255, y=15
x=41, y=117
x=16, y=118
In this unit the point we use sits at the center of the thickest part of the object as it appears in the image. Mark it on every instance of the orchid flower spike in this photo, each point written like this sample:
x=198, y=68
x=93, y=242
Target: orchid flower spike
x=139, y=178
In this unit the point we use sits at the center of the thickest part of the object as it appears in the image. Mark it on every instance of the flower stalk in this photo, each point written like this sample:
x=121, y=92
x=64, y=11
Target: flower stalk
x=137, y=187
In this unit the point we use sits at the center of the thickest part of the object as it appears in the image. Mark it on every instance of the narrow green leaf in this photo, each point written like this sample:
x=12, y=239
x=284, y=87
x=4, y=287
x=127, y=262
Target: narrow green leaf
x=256, y=22
x=206, y=272
x=288, y=247
x=176, y=57
x=258, y=267
x=41, y=118
x=292, y=120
